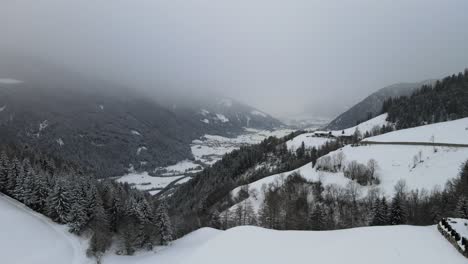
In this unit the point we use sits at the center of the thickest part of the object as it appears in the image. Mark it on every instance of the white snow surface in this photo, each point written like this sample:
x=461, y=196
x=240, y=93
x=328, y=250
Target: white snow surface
x=2, y=108
x=27, y=237
x=136, y=133
x=455, y=132
x=140, y=149
x=395, y=163
x=222, y=118
x=48, y=243
x=460, y=225
x=210, y=148
x=377, y=121
x=9, y=81
x=258, y=113
x=60, y=142
x=309, y=139
x=247, y=244
x=143, y=181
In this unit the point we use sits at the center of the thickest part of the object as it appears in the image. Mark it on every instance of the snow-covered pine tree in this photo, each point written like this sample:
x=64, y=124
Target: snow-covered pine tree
x=58, y=203
x=317, y=218
x=215, y=220
x=13, y=172
x=19, y=192
x=461, y=210
x=397, y=211
x=99, y=224
x=4, y=165
x=163, y=223
x=377, y=213
x=380, y=212
x=42, y=190
x=78, y=218
x=147, y=230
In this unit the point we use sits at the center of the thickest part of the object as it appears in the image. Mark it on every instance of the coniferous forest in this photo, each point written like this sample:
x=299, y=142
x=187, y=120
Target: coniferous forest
x=102, y=210
x=445, y=100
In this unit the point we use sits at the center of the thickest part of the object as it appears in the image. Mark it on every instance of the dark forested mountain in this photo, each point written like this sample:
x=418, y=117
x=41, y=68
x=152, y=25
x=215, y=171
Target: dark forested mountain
x=106, y=128
x=372, y=105
x=443, y=101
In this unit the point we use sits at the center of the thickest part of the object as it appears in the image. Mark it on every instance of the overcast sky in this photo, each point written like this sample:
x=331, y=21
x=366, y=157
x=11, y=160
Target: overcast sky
x=284, y=57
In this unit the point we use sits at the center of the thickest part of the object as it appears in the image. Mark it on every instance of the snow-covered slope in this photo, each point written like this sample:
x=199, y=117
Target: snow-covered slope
x=309, y=139
x=363, y=127
x=452, y=132
x=384, y=245
x=27, y=237
x=419, y=166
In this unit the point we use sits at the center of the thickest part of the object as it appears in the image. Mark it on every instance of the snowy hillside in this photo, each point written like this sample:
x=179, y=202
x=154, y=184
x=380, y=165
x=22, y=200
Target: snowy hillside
x=384, y=245
x=363, y=127
x=309, y=140
x=206, y=151
x=421, y=167
x=28, y=237
x=452, y=132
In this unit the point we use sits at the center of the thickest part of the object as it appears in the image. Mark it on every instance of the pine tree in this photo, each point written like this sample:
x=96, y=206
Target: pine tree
x=13, y=174
x=147, y=224
x=163, y=223
x=58, y=203
x=215, y=220
x=41, y=192
x=4, y=165
x=380, y=212
x=77, y=219
x=461, y=210
x=317, y=218
x=397, y=211
x=18, y=191
x=101, y=239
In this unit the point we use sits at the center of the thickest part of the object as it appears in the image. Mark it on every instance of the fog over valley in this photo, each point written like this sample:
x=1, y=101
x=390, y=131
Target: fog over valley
x=233, y=132
x=312, y=57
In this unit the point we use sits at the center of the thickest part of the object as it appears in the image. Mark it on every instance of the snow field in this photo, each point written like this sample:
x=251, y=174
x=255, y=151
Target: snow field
x=28, y=237
x=452, y=132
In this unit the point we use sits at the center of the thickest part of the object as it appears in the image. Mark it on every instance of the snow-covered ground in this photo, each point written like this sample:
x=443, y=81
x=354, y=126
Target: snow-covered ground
x=255, y=189
x=460, y=225
x=454, y=132
x=363, y=127
x=27, y=237
x=421, y=167
x=309, y=139
x=143, y=181
x=30, y=238
x=206, y=151
x=211, y=148
x=394, y=163
x=369, y=245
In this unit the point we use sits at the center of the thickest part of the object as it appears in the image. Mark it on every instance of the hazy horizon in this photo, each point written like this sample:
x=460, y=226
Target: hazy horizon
x=314, y=57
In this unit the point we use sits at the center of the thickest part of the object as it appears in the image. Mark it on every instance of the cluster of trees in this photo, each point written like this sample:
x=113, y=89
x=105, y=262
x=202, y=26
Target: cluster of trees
x=209, y=190
x=104, y=211
x=445, y=100
x=364, y=174
x=297, y=204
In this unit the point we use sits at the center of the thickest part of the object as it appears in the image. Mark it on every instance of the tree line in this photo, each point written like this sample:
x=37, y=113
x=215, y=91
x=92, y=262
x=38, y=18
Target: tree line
x=209, y=190
x=445, y=100
x=297, y=204
x=104, y=211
